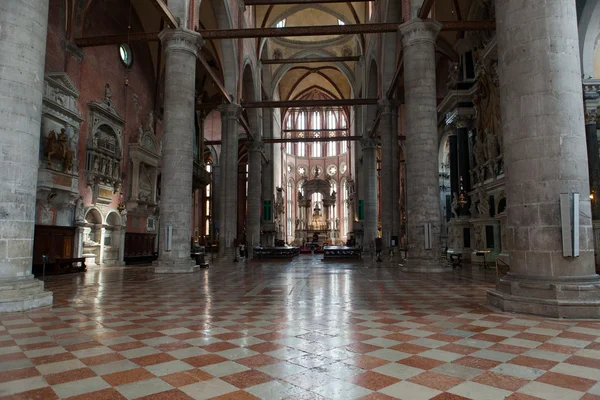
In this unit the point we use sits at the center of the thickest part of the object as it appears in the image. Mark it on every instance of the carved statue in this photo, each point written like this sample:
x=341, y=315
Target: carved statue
x=333, y=194
x=453, y=73
x=479, y=237
x=300, y=197
x=107, y=95
x=484, y=206
x=487, y=101
x=337, y=224
x=491, y=146
x=473, y=208
x=297, y=223
x=150, y=122
x=479, y=152
x=79, y=211
x=58, y=144
x=454, y=205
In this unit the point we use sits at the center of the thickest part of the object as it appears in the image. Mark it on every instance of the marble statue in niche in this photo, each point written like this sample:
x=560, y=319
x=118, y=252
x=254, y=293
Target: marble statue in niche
x=79, y=211
x=145, y=184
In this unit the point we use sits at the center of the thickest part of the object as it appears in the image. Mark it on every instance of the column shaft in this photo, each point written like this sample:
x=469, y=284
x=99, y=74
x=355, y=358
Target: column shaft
x=422, y=181
x=545, y=155
x=387, y=175
x=395, y=174
x=216, y=203
x=229, y=175
x=24, y=25
x=369, y=147
x=180, y=47
x=254, y=192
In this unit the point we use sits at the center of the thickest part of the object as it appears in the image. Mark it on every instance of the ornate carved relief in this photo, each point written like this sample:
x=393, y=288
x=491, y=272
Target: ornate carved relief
x=57, y=176
x=104, y=149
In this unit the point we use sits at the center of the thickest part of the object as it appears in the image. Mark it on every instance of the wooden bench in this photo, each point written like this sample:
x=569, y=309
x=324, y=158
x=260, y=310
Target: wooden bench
x=338, y=252
x=276, y=252
x=65, y=265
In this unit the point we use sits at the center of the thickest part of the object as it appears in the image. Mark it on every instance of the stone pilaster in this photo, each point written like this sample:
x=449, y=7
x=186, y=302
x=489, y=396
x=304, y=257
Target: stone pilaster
x=545, y=155
x=216, y=204
x=24, y=26
x=180, y=47
x=369, y=152
x=230, y=114
x=422, y=191
x=395, y=173
x=255, y=149
x=387, y=167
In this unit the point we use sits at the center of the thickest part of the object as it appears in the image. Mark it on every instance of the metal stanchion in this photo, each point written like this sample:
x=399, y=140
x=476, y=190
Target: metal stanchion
x=44, y=261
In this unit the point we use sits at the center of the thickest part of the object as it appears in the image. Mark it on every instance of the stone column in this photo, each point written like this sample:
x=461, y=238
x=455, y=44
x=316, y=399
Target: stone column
x=255, y=149
x=229, y=176
x=216, y=203
x=369, y=147
x=422, y=181
x=23, y=25
x=387, y=175
x=180, y=47
x=545, y=155
x=395, y=173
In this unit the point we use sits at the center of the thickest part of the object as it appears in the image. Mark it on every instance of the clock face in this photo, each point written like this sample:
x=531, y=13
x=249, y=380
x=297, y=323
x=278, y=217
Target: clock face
x=289, y=169
x=301, y=170
x=332, y=170
x=343, y=168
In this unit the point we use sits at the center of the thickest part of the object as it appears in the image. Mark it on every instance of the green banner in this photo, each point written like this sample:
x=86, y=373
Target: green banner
x=267, y=210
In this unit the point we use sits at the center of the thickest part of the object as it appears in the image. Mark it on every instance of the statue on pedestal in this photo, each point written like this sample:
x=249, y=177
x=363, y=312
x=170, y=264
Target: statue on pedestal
x=79, y=211
x=454, y=205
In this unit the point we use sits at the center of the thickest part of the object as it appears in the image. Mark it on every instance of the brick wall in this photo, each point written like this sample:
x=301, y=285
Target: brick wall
x=102, y=65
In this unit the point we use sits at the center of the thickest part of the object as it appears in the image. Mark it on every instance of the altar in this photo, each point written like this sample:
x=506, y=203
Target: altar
x=318, y=228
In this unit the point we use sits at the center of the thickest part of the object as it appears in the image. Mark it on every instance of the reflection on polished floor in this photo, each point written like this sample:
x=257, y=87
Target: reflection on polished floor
x=302, y=329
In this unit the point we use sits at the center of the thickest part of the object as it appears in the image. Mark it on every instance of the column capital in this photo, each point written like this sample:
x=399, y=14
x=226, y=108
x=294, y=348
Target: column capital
x=591, y=116
x=368, y=143
x=256, y=146
x=181, y=39
x=417, y=30
x=230, y=111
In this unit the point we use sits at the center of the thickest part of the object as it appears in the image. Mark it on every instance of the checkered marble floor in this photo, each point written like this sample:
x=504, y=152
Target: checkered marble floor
x=290, y=330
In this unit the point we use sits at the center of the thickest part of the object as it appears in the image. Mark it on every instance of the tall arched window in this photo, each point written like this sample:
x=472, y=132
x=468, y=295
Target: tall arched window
x=301, y=125
x=208, y=204
x=290, y=200
x=331, y=124
x=289, y=145
x=346, y=220
x=317, y=149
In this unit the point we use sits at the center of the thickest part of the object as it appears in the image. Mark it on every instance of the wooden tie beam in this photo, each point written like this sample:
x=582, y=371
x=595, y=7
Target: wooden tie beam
x=300, y=103
x=294, y=140
x=310, y=60
x=295, y=31
x=425, y=9
x=165, y=13
x=289, y=2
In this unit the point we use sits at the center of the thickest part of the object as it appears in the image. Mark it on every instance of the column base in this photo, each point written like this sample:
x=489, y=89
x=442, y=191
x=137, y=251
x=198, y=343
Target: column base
x=174, y=267
x=23, y=295
x=424, y=265
x=576, y=297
